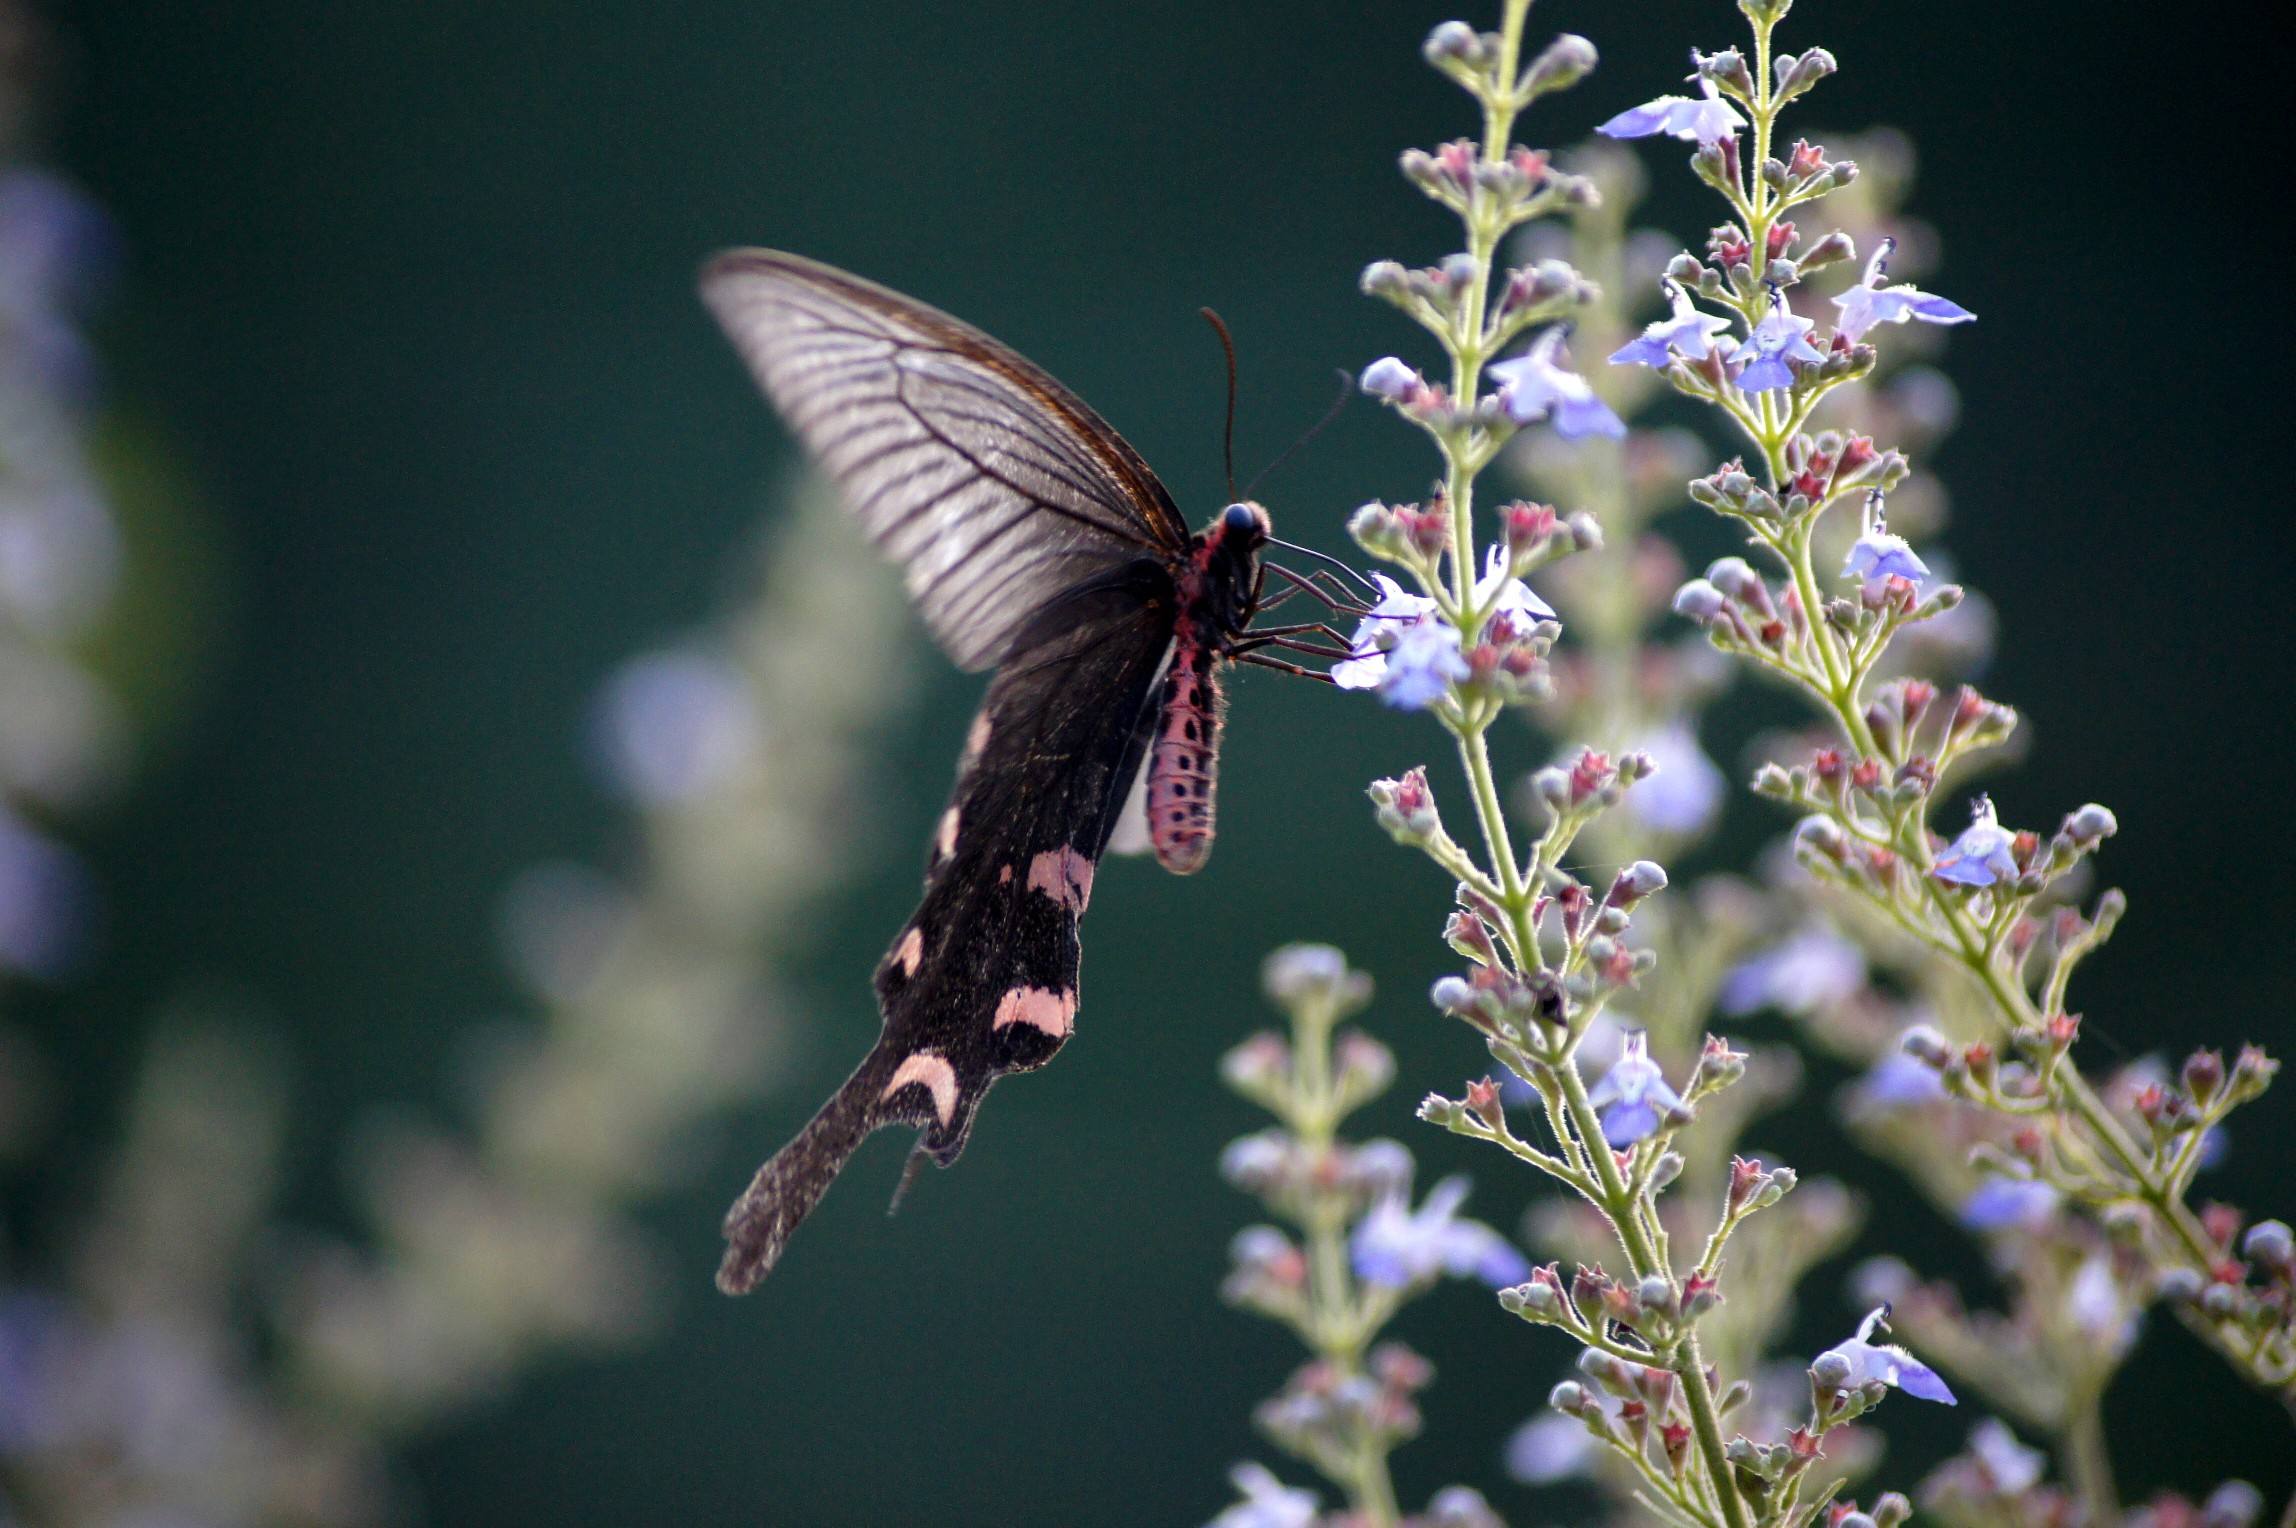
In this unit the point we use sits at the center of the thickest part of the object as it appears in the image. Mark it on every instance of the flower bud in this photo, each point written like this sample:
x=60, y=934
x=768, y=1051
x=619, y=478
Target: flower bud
x=1562, y=64
x=1830, y=1371
x=2091, y=825
x=1798, y=75
x=1377, y=531
x=1388, y=378
x=1641, y=879
x=1299, y=974
x=1406, y=807
x=1830, y=250
x=1569, y=1398
x=1699, y=601
x=1452, y=994
x=1453, y=43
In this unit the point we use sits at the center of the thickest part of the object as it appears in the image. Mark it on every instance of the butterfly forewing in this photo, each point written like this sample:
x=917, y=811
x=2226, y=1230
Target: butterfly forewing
x=995, y=487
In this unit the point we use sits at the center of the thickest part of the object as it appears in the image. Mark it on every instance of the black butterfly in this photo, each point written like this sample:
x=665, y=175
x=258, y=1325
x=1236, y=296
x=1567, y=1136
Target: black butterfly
x=1036, y=542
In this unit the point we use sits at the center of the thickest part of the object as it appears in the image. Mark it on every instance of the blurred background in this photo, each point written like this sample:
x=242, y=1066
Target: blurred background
x=446, y=746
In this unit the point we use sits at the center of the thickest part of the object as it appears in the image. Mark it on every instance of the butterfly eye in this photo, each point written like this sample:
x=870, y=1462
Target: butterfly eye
x=1240, y=519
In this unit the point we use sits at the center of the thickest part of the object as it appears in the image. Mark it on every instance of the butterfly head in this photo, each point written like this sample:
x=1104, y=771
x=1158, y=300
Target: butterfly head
x=1247, y=521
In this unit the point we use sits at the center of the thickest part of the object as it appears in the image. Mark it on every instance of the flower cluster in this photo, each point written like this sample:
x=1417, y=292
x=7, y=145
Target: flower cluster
x=1356, y=1251
x=1608, y=1083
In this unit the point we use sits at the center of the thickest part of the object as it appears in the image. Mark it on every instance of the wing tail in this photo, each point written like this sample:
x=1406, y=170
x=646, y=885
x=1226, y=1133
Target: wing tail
x=794, y=1178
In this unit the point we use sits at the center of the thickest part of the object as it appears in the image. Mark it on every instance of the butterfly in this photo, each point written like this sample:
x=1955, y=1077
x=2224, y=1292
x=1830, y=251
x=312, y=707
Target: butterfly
x=1034, y=541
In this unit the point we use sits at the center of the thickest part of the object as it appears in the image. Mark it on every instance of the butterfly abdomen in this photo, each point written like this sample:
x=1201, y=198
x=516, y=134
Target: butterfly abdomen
x=1184, y=763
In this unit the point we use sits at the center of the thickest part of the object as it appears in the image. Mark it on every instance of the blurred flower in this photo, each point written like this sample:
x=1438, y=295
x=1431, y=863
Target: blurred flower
x=1534, y=386
x=1686, y=332
x=672, y=724
x=1687, y=788
x=2001, y=1203
x=1398, y=1247
x=1633, y=1095
x=56, y=250
x=1390, y=379
x=1706, y=118
x=1267, y=1503
x=1886, y=1363
x=1809, y=972
x=1896, y=1081
x=1870, y=303
x=1877, y=554
x=45, y=899
x=1981, y=855
x=2010, y=1467
x=1549, y=1448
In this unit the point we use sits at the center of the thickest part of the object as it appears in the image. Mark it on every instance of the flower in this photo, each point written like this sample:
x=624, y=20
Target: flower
x=1633, y=1095
x=1781, y=337
x=1503, y=592
x=1403, y=649
x=1267, y=1503
x=1397, y=1247
x=1390, y=379
x=1533, y=386
x=1981, y=855
x=1687, y=332
x=1685, y=790
x=2010, y=1467
x=1877, y=554
x=1870, y=303
x=1550, y=1448
x=1886, y=1363
x=1896, y=1081
x=672, y=724
x=2001, y=1203
x=1707, y=118
x=1812, y=970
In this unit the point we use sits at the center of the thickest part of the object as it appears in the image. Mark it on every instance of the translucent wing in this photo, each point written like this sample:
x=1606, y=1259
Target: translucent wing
x=992, y=485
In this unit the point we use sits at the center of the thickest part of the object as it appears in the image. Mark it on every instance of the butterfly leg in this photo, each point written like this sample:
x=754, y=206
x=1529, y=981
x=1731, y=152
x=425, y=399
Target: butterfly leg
x=1259, y=660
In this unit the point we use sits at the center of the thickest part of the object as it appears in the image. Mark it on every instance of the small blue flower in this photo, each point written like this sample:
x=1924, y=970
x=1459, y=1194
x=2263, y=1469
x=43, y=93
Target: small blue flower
x=1397, y=1247
x=1896, y=1081
x=1814, y=969
x=2010, y=1467
x=1870, y=303
x=2000, y=1204
x=1707, y=118
x=1424, y=662
x=1782, y=337
x=1687, y=788
x=1887, y=1362
x=1267, y=1503
x=1550, y=1448
x=1981, y=855
x=1533, y=386
x=1389, y=378
x=1503, y=592
x=1877, y=555
x=1633, y=1095
x=1687, y=332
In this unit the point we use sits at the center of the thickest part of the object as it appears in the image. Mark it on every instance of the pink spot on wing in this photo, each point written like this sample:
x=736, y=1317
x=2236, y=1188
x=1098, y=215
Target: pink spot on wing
x=912, y=951
x=1053, y=1012
x=931, y=1070
x=1004, y=874
x=1063, y=875
x=978, y=738
x=946, y=839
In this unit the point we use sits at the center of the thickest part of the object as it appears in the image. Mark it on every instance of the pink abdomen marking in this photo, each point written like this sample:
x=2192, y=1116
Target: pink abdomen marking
x=1184, y=761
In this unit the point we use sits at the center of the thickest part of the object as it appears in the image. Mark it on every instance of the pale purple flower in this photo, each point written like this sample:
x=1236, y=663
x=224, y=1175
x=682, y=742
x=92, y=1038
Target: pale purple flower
x=1780, y=338
x=2000, y=1204
x=1389, y=378
x=1888, y=1363
x=1814, y=969
x=2010, y=1467
x=1870, y=303
x=1685, y=791
x=57, y=250
x=1981, y=855
x=1507, y=594
x=672, y=724
x=1686, y=332
x=1707, y=118
x=1633, y=1095
x=1896, y=1081
x=1877, y=554
x=1403, y=649
x=1534, y=386
x=1550, y=1448
x=45, y=902
x=1397, y=1247
x=2099, y=1306
x=1267, y=1503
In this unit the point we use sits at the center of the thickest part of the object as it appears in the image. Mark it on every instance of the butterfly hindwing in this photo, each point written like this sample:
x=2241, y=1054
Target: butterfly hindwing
x=994, y=487
x=983, y=978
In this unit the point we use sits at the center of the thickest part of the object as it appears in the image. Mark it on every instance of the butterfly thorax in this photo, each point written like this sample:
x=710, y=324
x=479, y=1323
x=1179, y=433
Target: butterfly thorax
x=1218, y=587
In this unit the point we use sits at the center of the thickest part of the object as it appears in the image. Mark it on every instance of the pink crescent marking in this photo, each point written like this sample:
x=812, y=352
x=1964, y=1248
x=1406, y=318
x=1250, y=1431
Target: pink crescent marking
x=912, y=951
x=932, y=1069
x=1063, y=875
x=1053, y=1012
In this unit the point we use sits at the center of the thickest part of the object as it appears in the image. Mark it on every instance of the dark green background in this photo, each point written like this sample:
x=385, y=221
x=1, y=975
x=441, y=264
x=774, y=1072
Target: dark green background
x=409, y=286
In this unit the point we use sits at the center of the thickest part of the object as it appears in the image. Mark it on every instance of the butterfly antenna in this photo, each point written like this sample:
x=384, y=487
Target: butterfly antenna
x=1309, y=551
x=1227, y=435
x=1346, y=391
